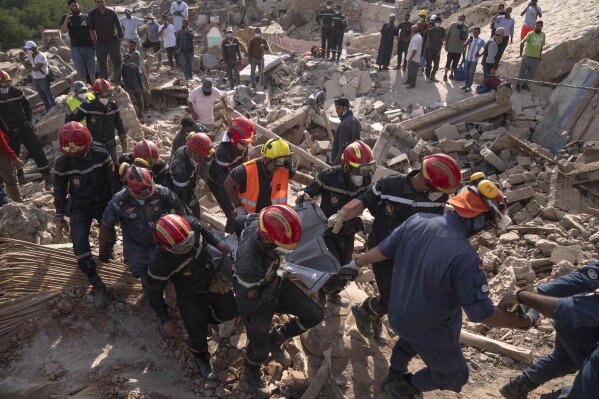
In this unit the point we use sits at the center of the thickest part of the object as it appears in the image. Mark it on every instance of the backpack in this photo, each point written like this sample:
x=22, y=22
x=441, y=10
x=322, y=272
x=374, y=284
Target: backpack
x=460, y=73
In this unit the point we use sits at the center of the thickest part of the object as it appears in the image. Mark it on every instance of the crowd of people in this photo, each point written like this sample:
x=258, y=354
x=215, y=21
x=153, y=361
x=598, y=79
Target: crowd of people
x=419, y=245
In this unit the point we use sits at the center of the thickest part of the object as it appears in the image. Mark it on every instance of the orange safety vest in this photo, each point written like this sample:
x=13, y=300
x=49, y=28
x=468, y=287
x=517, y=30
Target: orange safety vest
x=280, y=184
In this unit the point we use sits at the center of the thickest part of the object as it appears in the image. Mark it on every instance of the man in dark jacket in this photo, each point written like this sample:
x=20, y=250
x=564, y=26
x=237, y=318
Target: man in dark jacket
x=106, y=34
x=338, y=30
x=404, y=30
x=256, y=49
x=388, y=32
x=325, y=19
x=133, y=84
x=231, y=53
x=347, y=132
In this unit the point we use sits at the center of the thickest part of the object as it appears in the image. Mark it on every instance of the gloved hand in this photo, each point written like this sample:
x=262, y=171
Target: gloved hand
x=301, y=197
x=336, y=221
x=241, y=211
x=220, y=284
x=528, y=314
x=62, y=226
x=106, y=257
x=509, y=302
x=350, y=271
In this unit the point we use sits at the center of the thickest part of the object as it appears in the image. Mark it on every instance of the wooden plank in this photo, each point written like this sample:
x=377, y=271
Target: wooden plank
x=492, y=345
x=327, y=125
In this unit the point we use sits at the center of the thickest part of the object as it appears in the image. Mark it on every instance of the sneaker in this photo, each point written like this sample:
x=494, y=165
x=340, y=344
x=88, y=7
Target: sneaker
x=338, y=300
x=552, y=395
x=400, y=388
x=462, y=87
x=100, y=297
x=467, y=89
x=254, y=378
x=363, y=320
x=206, y=369
x=515, y=389
x=281, y=356
x=379, y=330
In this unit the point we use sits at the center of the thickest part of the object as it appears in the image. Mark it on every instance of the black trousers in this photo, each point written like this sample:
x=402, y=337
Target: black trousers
x=337, y=42
x=402, y=52
x=291, y=300
x=342, y=249
x=203, y=308
x=80, y=223
x=225, y=204
x=27, y=137
x=325, y=38
x=383, y=273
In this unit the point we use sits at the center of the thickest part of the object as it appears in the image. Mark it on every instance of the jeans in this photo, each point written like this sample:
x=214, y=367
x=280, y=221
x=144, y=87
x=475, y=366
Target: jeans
x=42, y=86
x=412, y=73
x=402, y=52
x=528, y=67
x=84, y=59
x=444, y=369
x=470, y=69
x=383, y=273
x=170, y=54
x=114, y=52
x=256, y=62
x=186, y=59
x=29, y=139
x=432, y=61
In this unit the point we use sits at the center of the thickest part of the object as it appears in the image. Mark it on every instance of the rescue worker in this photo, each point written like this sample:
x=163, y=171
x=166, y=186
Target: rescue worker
x=261, y=290
x=337, y=186
x=436, y=275
x=186, y=163
x=15, y=115
x=264, y=181
x=9, y=163
x=573, y=302
x=231, y=52
x=188, y=126
x=84, y=182
x=204, y=294
x=148, y=151
x=230, y=153
x=337, y=32
x=392, y=200
x=102, y=119
x=137, y=207
x=325, y=19
x=80, y=96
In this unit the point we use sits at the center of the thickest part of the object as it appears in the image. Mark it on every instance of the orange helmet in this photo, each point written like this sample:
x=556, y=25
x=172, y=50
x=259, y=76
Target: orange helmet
x=280, y=225
x=174, y=233
x=483, y=198
x=101, y=85
x=199, y=143
x=359, y=155
x=148, y=151
x=241, y=130
x=441, y=172
x=139, y=182
x=74, y=139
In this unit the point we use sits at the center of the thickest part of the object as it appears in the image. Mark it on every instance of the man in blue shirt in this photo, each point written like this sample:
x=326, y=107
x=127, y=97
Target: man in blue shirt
x=436, y=274
x=573, y=302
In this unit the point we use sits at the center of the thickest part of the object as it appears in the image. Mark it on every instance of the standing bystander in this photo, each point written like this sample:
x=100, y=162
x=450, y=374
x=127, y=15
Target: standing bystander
x=532, y=12
x=434, y=44
x=82, y=47
x=472, y=50
x=130, y=25
x=107, y=35
x=37, y=63
x=256, y=49
x=231, y=53
x=179, y=11
x=456, y=36
x=167, y=33
x=383, y=57
x=403, y=41
x=531, y=49
x=184, y=44
x=414, y=52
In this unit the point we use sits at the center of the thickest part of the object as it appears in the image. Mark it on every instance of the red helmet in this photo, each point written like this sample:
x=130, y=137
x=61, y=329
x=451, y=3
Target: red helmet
x=174, y=233
x=241, y=130
x=441, y=172
x=4, y=76
x=139, y=182
x=281, y=225
x=148, y=151
x=359, y=155
x=199, y=143
x=74, y=139
x=101, y=85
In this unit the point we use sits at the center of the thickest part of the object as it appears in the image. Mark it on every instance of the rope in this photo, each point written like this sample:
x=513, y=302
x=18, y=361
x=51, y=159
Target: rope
x=543, y=83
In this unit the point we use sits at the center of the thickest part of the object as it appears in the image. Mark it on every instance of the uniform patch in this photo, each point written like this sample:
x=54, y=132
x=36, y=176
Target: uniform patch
x=334, y=200
x=76, y=181
x=592, y=274
x=484, y=288
x=251, y=294
x=156, y=208
x=130, y=209
x=133, y=216
x=388, y=209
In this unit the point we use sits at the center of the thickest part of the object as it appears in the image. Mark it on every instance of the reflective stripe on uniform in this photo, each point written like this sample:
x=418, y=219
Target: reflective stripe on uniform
x=84, y=171
x=407, y=201
x=178, y=269
x=248, y=285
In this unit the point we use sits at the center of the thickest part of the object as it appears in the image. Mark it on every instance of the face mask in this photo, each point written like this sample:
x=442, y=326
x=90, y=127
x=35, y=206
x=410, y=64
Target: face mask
x=328, y=7
x=104, y=101
x=257, y=35
x=82, y=96
x=141, y=201
x=460, y=22
x=437, y=24
x=229, y=35
x=4, y=90
x=29, y=51
x=504, y=222
x=357, y=180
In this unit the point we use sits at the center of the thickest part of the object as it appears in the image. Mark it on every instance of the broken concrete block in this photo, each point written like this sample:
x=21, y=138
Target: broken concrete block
x=379, y=107
x=493, y=159
x=509, y=237
x=572, y=254
x=333, y=89
x=522, y=268
x=562, y=268
x=349, y=91
x=520, y=194
x=417, y=112
x=492, y=134
x=569, y=222
x=447, y=132
x=461, y=126
x=448, y=146
x=490, y=262
x=546, y=247
x=322, y=147
x=484, y=126
x=530, y=211
x=398, y=160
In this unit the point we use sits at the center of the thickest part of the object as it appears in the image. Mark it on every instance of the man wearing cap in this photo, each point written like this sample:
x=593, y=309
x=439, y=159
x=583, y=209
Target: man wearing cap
x=180, y=12
x=80, y=95
x=490, y=58
x=347, y=132
x=184, y=45
x=325, y=19
x=414, y=52
x=167, y=33
x=133, y=84
x=437, y=274
x=37, y=64
x=201, y=102
x=532, y=12
x=434, y=44
x=82, y=47
x=231, y=53
x=256, y=49
x=130, y=25
x=153, y=40
x=107, y=34
x=388, y=32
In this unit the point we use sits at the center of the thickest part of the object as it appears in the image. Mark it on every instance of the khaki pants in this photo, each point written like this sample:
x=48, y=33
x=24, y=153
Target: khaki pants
x=8, y=174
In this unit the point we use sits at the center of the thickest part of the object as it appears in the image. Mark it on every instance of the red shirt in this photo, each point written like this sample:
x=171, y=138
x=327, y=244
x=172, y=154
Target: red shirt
x=5, y=148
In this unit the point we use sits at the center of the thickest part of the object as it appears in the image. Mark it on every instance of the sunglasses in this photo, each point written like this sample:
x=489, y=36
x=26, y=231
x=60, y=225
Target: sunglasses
x=283, y=161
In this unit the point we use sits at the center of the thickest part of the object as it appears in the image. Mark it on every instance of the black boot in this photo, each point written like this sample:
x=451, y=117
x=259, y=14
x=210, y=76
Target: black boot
x=254, y=378
x=205, y=365
x=100, y=297
x=401, y=388
x=379, y=331
x=363, y=320
x=515, y=389
x=278, y=352
x=392, y=376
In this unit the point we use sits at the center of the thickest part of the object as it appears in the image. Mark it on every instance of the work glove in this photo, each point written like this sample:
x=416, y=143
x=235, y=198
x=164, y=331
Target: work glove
x=62, y=226
x=350, y=271
x=301, y=197
x=106, y=257
x=509, y=302
x=241, y=211
x=220, y=284
x=528, y=314
x=336, y=221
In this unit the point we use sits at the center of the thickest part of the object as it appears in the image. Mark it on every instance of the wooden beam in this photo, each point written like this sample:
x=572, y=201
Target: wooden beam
x=492, y=345
x=327, y=125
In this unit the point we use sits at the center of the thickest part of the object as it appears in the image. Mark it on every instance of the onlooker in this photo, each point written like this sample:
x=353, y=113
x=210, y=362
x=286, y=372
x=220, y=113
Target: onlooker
x=167, y=32
x=414, y=52
x=434, y=43
x=507, y=23
x=347, y=132
x=130, y=25
x=179, y=12
x=231, y=53
x=500, y=11
x=82, y=47
x=534, y=42
x=472, y=50
x=201, y=102
x=403, y=41
x=456, y=36
x=135, y=55
x=423, y=26
x=107, y=35
x=133, y=84
x=188, y=126
x=386, y=45
x=184, y=45
x=153, y=40
x=256, y=49
x=37, y=63
x=491, y=54
x=532, y=11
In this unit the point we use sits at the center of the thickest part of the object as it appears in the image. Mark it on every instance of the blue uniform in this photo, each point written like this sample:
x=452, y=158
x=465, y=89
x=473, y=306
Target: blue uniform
x=436, y=274
x=577, y=334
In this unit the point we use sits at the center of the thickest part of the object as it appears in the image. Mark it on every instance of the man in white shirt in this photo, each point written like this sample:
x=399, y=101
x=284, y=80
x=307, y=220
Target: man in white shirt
x=532, y=12
x=37, y=63
x=414, y=53
x=130, y=25
x=169, y=41
x=179, y=13
x=201, y=102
